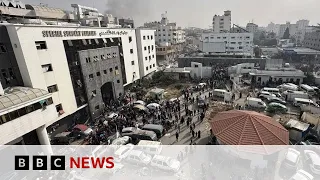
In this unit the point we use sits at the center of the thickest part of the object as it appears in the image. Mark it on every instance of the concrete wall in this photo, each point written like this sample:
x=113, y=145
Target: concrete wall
x=209, y=61
x=18, y=127
x=104, y=67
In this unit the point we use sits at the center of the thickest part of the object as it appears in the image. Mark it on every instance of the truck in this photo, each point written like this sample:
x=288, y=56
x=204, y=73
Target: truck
x=291, y=95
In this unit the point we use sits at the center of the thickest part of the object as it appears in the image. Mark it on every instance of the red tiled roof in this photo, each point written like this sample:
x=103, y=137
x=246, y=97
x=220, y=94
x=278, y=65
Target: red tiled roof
x=248, y=128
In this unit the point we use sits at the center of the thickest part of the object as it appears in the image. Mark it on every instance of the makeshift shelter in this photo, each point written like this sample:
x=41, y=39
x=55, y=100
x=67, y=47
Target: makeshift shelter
x=140, y=107
x=157, y=93
x=297, y=129
x=238, y=127
x=153, y=105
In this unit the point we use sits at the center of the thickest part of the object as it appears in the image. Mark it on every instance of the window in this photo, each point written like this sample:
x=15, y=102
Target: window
x=240, y=47
x=151, y=37
x=88, y=60
x=233, y=37
x=131, y=51
x=147, y=68
x=116, y=68
x=2, y=49
x=110, y=69
x=218, y=37
x=98, y=73
x=233, y=42
x=196, y=66
x=148, y=37
x=232, y=48
x=224, y=37
x=53, y=88
x=144, y=37
x=146, y=58
x=46, y=68
x=41, y=45
x=59, y=107
x=159, y=40
x=152, y=47
x=154, y=65
x=163, y=29
x=153, y=56
x=248, y=37
x=132, y=62
x=145, y=48
x=164, y=35
x=130, y=39
x=104, y=71
x=118, y=81
x=149, y=57
x=90, y=76
x=103, y=57
x=150, y=66
x=96, y=107
x=148, y=47
x=11, y=74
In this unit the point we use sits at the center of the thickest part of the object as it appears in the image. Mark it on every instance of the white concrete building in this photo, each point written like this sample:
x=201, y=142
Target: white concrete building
x=293, y=28
x=227, y=42
x=252, y=28
x=146, y=51
x=302, y=24
x=222, y=23
x=23, y=110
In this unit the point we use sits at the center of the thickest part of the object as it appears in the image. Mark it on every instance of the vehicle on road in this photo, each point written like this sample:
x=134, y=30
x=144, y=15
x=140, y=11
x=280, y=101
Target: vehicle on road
x=292, y=158
x=158, y=129
x=312, y=159
x=300, y=101
x=138, y=157
x=165, y=163
x=302, y=175
x=142, y=135
x=149, y=147
x=122, y=152
x=308, y=89
x=271, y=90
x=277, y=100
x=276, y=107
x=265, y=95
x=255, y=103
x=290, y=95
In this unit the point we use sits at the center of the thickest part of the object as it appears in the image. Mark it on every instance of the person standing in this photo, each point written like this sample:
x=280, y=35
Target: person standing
x=177, y=136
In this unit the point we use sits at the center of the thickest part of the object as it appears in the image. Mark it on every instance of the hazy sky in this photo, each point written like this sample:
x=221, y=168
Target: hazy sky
x=199, y=13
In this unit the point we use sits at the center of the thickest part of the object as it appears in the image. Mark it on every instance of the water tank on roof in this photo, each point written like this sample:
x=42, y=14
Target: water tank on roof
x=286, y=65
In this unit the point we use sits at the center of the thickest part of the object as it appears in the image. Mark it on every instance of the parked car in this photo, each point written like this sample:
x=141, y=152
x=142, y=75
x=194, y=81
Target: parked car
x=129, y=129
x=301, y=175
x=312, y=159
x=292, y=158
x=122, y=152
x=276, y=100
x=165, y=163
x=138, y=157
x=255, y=103
x=82, y=129
x=276, y=107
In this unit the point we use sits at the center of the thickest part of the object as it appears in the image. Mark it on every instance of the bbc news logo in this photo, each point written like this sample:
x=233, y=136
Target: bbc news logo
x=59, y=162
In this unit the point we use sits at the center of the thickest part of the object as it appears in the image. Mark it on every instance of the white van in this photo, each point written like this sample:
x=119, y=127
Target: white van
x=149, y=147
x=271, y=90
x=290, y=95
x=300, y=101
x=255, y=103
x=219, y=92
x=138, y=157
x=307, y=89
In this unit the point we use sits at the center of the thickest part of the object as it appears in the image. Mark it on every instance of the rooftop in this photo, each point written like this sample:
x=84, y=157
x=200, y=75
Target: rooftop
x=302, y=50
x=176, y=70
x=19, y=95
x=237, y=127
x=280, y=72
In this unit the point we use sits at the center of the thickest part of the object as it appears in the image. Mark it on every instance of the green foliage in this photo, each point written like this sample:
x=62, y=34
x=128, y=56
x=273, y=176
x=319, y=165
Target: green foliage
x=309, y=79
x=286, y=34
x=160, y=78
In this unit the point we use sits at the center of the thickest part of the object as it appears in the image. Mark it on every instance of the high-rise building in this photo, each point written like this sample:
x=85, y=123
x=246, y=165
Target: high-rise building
x=252, y=28
x=302, y=24
x=222, y=23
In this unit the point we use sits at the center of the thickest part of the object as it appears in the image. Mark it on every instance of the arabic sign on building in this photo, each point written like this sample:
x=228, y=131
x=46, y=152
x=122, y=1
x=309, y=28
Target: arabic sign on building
x=110, y=32
x=68, y=33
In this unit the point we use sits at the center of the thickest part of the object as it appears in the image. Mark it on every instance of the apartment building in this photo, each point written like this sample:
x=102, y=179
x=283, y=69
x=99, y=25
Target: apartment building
x=146, y=51
x=227, y=43
x=252, y=28
x=222, y=23
x=312, y=40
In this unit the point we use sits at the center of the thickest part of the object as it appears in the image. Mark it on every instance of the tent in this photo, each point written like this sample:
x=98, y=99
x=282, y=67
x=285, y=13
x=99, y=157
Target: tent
x=153, y=105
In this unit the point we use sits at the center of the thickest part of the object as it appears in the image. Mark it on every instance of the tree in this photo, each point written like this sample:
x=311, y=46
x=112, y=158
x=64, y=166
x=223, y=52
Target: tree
x=286, y=34
x=309, y=79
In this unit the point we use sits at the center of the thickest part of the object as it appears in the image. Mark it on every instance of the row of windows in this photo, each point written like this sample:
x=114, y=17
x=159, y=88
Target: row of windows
x=147, y=68
x=148, y=37
x=106, y=72
x=25, y=110
x=103, y=57
x=165, y=29
x=146, y=58
x=149, y=47
x=240, y=37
